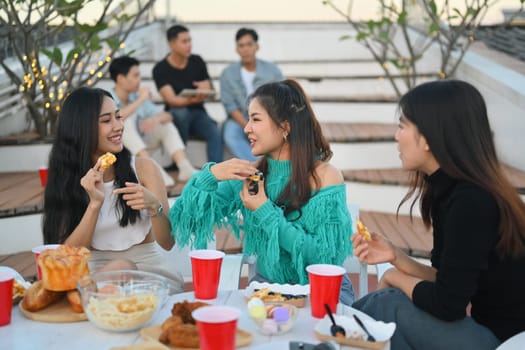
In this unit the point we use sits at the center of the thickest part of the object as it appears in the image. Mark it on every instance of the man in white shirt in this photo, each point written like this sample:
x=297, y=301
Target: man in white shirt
x=238, y=81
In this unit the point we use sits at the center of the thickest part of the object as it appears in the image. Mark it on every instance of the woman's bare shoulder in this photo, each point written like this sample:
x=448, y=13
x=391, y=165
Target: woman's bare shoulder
x=328, y=174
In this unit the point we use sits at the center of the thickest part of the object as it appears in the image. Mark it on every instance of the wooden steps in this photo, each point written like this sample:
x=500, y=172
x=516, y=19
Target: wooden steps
x=409, y=234
x=358, y=132
x=398, y=176
x=22, y=194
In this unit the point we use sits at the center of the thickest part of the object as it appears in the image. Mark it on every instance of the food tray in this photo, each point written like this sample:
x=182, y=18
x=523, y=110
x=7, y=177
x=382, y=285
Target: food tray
x=294, y=294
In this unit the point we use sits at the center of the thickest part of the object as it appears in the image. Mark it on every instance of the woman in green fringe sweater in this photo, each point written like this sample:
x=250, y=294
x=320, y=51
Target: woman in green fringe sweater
x=298, y=216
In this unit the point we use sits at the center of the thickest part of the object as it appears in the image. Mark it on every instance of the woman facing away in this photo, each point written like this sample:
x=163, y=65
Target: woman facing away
x=116, y=212
x=298, y=216
x=478, y=222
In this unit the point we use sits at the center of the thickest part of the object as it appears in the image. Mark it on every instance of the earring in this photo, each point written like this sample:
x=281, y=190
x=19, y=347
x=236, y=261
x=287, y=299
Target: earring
x=285, y=137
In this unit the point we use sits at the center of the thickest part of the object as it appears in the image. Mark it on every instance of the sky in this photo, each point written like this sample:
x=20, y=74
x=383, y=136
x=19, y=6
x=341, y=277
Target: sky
x=286, y=10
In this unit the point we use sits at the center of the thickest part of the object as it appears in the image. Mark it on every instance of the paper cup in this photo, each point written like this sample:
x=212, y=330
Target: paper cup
x=42, y=171
x=325, y=286
x=217, y=326
x=6, y=297
x=206, y=272
x=37, y=250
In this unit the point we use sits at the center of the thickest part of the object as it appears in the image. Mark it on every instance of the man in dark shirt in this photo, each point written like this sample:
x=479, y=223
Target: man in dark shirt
x=182, y=70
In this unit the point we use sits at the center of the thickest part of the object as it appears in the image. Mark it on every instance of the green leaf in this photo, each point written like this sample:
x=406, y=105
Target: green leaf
x=89, y=29
x=71, y=54
x=433, y=28
x=361, y=36
x=55, y=56
x=402, y=19
x=94, y=44
x=113, y=43
x=395, y=62
x=433, y=7
x=80, y=43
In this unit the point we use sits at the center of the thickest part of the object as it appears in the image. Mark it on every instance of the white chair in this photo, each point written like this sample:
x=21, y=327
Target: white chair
x=516, y=342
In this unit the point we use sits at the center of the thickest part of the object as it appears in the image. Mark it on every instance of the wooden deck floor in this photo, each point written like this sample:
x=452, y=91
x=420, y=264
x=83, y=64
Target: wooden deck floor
x=358, y=132
x=397, y=176
x=21, y=193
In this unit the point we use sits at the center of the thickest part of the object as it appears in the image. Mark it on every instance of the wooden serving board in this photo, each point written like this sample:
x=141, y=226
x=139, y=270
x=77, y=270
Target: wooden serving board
x=242, y=338
x=377, y=345
x=59, y=312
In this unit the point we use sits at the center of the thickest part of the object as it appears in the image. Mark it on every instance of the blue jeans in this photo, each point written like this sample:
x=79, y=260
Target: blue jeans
x=417, y=329
x=346, y=295
x=197, y=123
x=235, y=139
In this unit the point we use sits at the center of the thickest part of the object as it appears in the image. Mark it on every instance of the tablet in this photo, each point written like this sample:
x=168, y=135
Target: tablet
x=193, y=92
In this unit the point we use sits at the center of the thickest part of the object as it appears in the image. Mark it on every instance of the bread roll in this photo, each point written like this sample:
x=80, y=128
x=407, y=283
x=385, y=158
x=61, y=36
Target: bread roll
x=38, y=298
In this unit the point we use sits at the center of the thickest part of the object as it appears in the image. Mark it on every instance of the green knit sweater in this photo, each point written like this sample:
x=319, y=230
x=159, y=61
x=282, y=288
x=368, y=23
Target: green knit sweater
x=284, y=246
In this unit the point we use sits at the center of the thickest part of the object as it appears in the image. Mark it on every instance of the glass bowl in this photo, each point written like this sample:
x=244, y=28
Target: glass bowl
x=272, y=318
x=123, y=300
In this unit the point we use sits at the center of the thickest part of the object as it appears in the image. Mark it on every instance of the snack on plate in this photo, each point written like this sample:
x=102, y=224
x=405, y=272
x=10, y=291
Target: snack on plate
x=37, y=297
x=267, y=295
x=361, y=228
x=180, y=329
x=63, y=267
x=73, y=296
x=106, y=160
x=18, y=290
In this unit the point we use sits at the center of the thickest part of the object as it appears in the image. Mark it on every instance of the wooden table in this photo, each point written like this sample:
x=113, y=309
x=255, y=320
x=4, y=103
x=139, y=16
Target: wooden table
x=23, y=333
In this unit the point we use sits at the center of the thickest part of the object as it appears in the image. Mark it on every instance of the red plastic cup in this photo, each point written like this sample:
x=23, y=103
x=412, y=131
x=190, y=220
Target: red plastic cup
x=42, y=171
x=325, y=286
x=37, y=250
x=206, y=272
x=6, y=297
x=217, y=326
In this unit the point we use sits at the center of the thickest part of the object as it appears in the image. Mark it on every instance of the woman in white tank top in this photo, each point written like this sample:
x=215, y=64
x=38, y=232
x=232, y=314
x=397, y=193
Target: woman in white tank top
x=119, y=213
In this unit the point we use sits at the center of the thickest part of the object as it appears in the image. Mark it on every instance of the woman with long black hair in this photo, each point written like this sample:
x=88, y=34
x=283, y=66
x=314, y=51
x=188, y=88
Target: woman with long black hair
x=116, y=212
x=478, y=222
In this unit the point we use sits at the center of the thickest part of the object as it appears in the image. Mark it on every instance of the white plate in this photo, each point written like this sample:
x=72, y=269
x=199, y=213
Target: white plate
x=291, y=289
x=380, y=330
x=18, y=276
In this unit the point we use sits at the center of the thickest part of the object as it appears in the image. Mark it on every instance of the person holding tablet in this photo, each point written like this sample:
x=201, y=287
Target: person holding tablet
x=182, y=70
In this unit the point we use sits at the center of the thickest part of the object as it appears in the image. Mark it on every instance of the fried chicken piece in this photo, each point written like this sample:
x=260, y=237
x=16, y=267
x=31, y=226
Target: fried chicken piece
x=182, y=335
x=107, y=159
x=184, y=310
x=363, y=230
x=180, y=329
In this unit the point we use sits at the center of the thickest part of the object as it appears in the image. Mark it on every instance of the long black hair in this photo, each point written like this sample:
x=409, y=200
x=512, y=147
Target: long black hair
x=286, y=101
x=452, y=116
x=76, y=141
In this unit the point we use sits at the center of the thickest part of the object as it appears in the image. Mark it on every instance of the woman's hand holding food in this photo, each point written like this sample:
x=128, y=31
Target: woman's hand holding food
x=93, y=184
x=249, y=199
x=233, y=169
x=138, y=197
x=374, y=251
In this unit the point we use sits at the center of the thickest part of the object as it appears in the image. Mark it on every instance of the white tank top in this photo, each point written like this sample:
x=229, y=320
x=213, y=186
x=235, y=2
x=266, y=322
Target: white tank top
x=109, y=235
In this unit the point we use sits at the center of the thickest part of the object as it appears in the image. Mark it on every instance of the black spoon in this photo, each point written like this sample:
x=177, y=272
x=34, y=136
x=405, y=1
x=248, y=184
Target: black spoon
x=335, y=329
x=360, y=323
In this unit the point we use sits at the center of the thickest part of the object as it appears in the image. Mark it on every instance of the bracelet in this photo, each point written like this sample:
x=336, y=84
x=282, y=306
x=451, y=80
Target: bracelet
x=158, y=212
